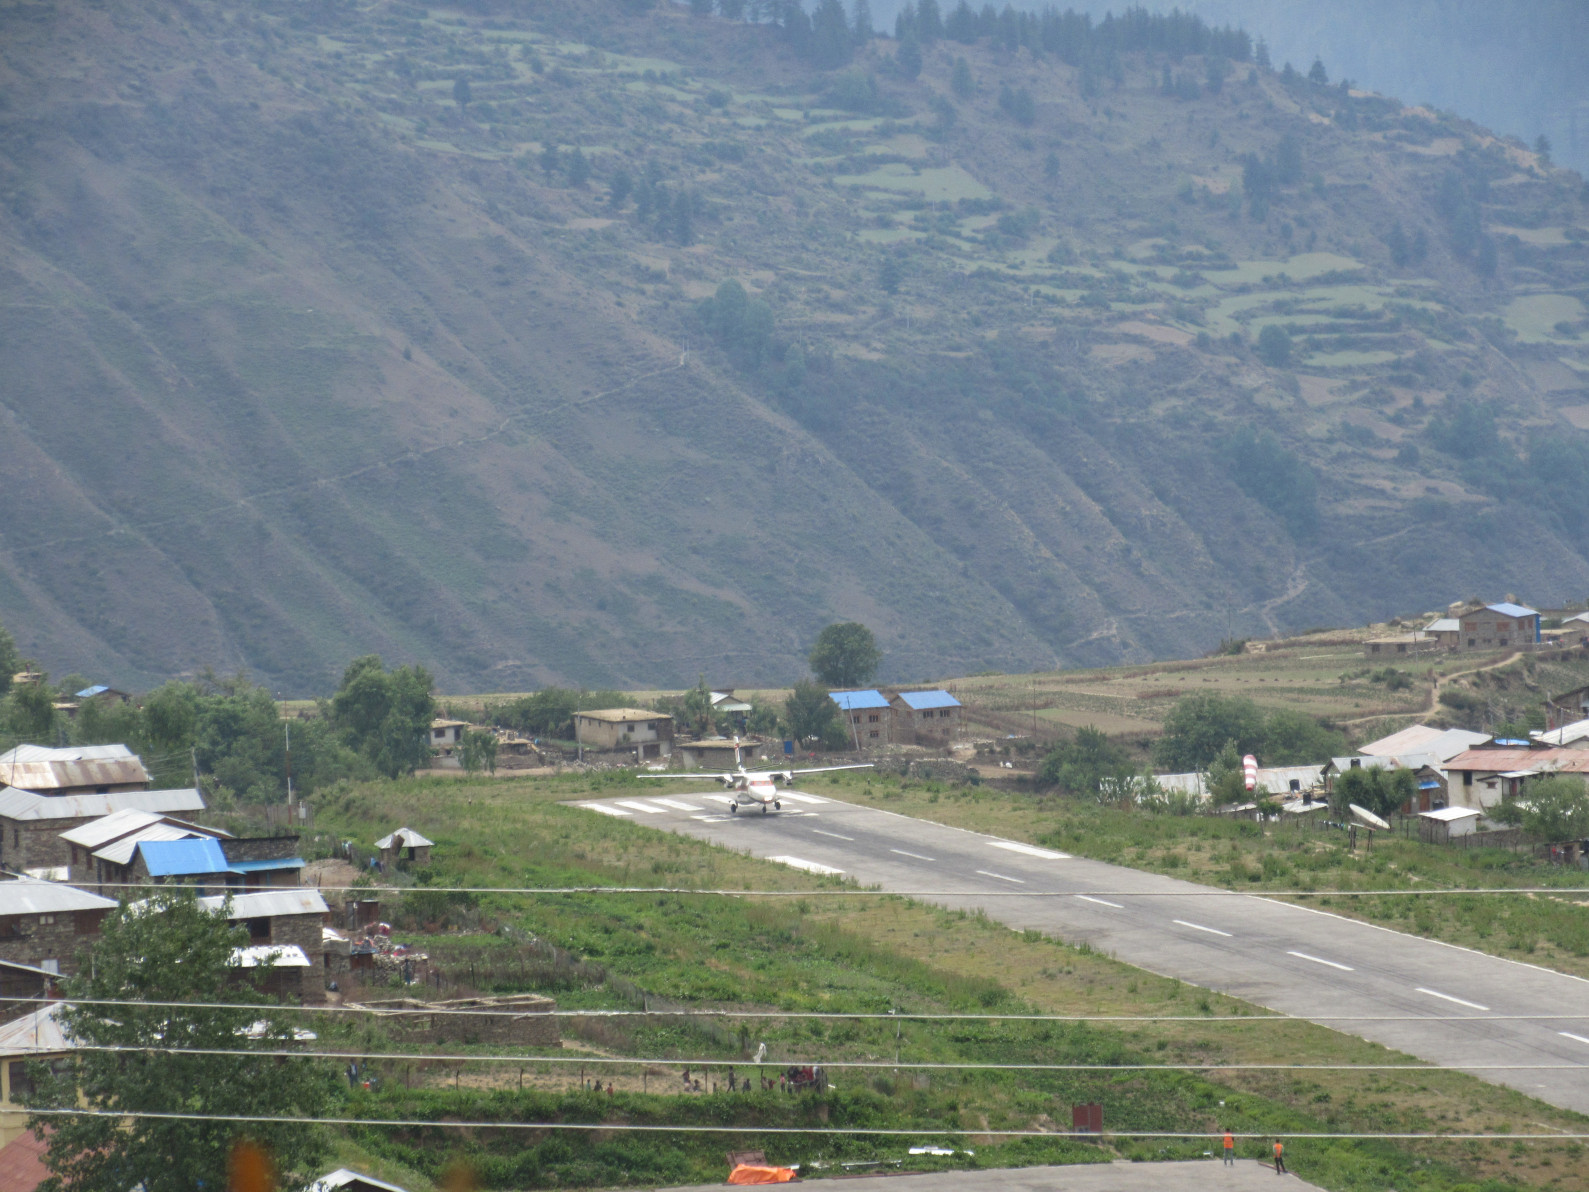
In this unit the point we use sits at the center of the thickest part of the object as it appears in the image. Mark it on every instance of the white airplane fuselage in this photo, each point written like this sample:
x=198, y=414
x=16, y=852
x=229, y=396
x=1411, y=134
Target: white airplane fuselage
x=757, y=790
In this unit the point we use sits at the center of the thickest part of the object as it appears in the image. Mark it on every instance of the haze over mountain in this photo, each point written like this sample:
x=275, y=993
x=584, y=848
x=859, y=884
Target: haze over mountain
x=323, y=339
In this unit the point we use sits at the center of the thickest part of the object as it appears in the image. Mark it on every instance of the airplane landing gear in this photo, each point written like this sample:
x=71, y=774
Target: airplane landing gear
x=734, y=808
x=777, y=806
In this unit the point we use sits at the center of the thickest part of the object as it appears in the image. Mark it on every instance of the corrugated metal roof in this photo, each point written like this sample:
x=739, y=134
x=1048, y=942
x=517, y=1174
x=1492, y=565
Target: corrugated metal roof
x=621, y=715
x=1447, y=814
x=29, y=896
x=41, y=768
x=857, y=701
x=30, y=806
x=403, y=838
x=1578, y=730
x=267, y=903
x=38, y=1032
x=119, y=852
x=343, y=1178
x=1511, y=610
x=921, y=701
x=72, y=753
x=109, y=827
x=1501, y=761
x=90, y=692
x=271, y=955
x=1444, y=625
x=179, y=858
x=265, y=866
x=1441, y=743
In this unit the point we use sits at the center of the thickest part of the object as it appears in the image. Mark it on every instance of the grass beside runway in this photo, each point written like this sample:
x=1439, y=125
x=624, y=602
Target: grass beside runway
x=867, y=956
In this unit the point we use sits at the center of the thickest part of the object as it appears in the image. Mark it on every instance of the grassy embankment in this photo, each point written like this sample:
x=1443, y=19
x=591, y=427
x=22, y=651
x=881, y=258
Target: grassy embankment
x=867, y=954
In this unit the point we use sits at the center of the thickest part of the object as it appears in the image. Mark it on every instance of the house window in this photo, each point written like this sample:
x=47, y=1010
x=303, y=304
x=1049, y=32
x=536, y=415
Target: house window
x=872, y=734
x=947, y=712
x=872, y=719
x=46, y=920
x=1503, y=641
x=1470, y=643
x=1467, y=778
x=857, y=718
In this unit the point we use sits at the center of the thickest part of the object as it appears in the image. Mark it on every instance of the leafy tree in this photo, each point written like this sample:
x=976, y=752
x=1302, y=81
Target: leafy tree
x=963, y=84
x=28, y=710
x=1317, y=75
x=1085, y=764
x=620, y=188
x=929, y=21
x=907, y=59
x=385, y=715
x=890, y=275
x=170, y=950
x=1374, y=789
x=1552, y=809
x=1199, y=726
x=832, y=40
x=741, y=324
x=812, y=715
x=1274, y=346
x=862, y=27
x=462, y=93
x=478, y=751
x=845, y=655
x=1226, y=777
x=1274, y=477
x=1465, y=429
x=1292, y=738
x=10, y=660
x=578, y=169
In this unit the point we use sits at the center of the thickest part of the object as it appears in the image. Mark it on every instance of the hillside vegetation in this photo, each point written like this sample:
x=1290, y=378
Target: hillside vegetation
x=606, y=343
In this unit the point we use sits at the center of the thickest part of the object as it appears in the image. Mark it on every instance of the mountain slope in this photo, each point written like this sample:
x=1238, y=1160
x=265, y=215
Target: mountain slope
x=312, y=352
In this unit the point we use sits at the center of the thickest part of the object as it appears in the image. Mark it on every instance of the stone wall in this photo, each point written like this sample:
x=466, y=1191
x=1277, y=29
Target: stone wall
x=35, y=844
x=260, y=848
x=34, y=939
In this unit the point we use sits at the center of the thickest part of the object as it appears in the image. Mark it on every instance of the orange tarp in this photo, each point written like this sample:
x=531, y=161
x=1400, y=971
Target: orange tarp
x=746, y=1173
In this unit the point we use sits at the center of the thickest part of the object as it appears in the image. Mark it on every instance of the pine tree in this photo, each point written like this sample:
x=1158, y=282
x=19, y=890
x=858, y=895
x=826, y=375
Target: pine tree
x=862, y=27
x=461, y=93
x=1261, y=55
x=907, y=59
x=1317, y=74
x=551, y=160
x=832, y=43
x=929, y=21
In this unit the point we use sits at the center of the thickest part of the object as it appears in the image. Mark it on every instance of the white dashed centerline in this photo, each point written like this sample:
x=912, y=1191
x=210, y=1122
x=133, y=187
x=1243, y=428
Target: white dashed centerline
x=1345, y=968
x=835, y=835
x=1030, y=850
x=1100, y=901
x=917, y=856
x=1446, y=997
x=1200, y=927
x=1001, y=876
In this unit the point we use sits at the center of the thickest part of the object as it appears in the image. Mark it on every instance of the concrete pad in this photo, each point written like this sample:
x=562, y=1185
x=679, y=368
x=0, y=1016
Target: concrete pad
x=1193, y=1176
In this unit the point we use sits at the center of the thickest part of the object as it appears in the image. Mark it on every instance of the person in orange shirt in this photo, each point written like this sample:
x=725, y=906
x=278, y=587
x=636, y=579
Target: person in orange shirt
x=1230, y=1149
x=1280, y=1158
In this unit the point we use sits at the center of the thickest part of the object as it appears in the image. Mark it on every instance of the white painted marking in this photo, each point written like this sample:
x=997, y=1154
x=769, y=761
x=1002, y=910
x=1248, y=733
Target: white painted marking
x=1446, y=997
x=711, y=819
x=1001, y=877
x=604, y=809
x=1345, y=968
x=1100, y=901
x=725, y=800
x=1200, y=927
x=1573, y=1037
x=835, y=835
x=637, y=805
x=917, y=856
x=799, y=798
x=808, y=866
x=1030, y=850
x=676, y=804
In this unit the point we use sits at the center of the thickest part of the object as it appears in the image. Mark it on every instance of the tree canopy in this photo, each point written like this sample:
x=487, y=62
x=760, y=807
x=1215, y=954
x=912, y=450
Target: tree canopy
x=1375, y=789
x=1552, y=809
x=845, y=655
x=385, y=715
x=1199, y=726
x=812, y=715
x=1086, y=764
x=170, y=949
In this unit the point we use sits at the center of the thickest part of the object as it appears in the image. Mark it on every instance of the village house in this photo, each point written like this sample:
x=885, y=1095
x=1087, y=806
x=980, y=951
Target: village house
x=343, y=1180
x=868, y=716
x=405, y=844
x=1403, y=644
x=716, y=753
x=43, y=924
x=109, y=841
x=282, y=920
x=925, y=717
x=1567, y=708
x=1498, y=627
x=447, y=735
x=79, y=770
x=31, y=824
x=192, y=861
x=1444, y=632
x=35, y=1038
x=1568, y=736
x=647, y=735
x=24, y=981
x=726, y=703
x=1481, y=778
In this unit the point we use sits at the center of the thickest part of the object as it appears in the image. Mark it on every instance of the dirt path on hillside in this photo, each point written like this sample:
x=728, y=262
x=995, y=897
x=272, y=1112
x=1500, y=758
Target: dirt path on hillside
x=1433, y=705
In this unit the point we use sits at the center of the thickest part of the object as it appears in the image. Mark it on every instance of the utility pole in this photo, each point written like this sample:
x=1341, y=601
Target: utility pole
x=287, y=725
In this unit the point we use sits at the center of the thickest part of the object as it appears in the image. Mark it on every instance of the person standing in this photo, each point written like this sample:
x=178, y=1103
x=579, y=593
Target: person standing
x=1280, y=1158
x=1230, y=1149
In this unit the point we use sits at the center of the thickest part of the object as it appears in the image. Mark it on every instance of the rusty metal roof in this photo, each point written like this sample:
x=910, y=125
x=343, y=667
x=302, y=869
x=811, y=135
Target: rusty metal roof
x=41, y=768
x=29, y=805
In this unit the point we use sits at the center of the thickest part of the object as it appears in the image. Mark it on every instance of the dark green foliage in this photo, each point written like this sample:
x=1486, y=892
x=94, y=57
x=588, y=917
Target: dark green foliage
x=832, y=40
x=890, y=275
x=578, y=169
x=862, y=27
x=960, y=81
x=478, y=751
x=1018, y=104
x=845, y=655
x=462, y=93
x=1274, y=346
x=1275, y=478
x=385, y=715
x=28, y=711
x=854, y=91
x=741, y=324
x=1552, y=809
x=1199, y=726
x=1317, y=75
x=1465, y=428
x=1292, y=738
x=812, y=715
x=174, y=951
x=1084, y=764
x=549, y=713
x=1379, y=790
x=10, y=660
x=620, y=188
x=907, y=59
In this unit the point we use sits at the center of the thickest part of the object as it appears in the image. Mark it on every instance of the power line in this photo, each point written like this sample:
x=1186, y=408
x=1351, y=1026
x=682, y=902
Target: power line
x=818, y=1015
x=871, y=1131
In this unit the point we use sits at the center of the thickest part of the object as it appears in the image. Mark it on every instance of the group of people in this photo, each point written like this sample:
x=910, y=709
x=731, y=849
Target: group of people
x=1280, y=1153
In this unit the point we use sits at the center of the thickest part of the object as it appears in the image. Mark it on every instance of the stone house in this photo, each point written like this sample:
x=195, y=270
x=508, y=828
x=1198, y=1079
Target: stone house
x=44, y=924
x=647, y=735
x=447, y=735
x=405, y=844
x=925, y=717
x=31, y=824
x=868, y=716
x=283, y=919
x=1481, y=778
x=1567, y=708
x=78, y=770
x=1498, y=627
x=717, y=753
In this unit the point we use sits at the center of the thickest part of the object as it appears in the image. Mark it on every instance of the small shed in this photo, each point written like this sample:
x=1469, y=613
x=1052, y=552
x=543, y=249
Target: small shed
x=1443, y=824
x=716, y=753
x=405, y=844
x=447, y=735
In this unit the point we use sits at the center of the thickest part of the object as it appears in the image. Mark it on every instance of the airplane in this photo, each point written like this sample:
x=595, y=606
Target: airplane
x=759, y=786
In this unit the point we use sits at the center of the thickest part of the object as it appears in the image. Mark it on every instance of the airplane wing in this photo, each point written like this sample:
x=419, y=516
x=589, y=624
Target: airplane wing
x=827, y=769
x=717, y=776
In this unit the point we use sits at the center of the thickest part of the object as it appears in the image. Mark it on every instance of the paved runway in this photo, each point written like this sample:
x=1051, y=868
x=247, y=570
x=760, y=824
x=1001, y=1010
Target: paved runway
x=1458, y=1006
x=1206, y=1176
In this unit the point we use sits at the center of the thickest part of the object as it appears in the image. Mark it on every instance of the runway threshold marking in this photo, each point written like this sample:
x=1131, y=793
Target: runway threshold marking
x=1573, y=1037
x=808, y=866
x=1345, y=968
x=676, y=804
x=835, y=835
x=917, y=856
x=725, y=800
x=1100, y=901
x=1030, y=850
x=636, y=805
x=1200, y=927
x=604, y=809
x=799, y=798
x=1003, y=877
x=1446, y=997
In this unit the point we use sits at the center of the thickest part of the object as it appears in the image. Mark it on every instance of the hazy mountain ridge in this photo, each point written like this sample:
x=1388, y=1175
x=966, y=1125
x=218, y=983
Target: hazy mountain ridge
x=352, y=369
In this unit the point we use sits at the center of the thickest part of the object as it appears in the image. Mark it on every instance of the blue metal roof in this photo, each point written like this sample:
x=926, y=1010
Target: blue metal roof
x=922, y=700
x=90, y=692
x=1511, y=610
x=260, y=866
x=177, y=858
x=855, y=701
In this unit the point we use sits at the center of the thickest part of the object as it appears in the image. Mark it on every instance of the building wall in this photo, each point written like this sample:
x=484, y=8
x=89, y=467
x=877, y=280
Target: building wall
x=925, y=726
x=34, y=939
x=605, y=734
x=870, y=726
x=34, y=844
x=260, y=848
x=1486, y=630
